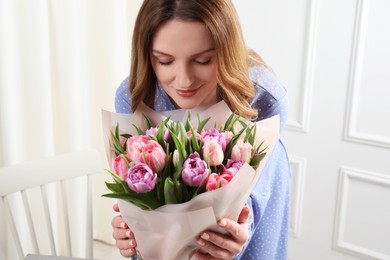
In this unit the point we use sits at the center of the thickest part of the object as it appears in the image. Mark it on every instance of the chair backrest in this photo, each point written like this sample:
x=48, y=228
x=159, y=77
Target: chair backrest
x=18, y=180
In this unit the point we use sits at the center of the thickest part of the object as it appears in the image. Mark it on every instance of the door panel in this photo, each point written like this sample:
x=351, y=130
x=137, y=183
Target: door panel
x=334, y=59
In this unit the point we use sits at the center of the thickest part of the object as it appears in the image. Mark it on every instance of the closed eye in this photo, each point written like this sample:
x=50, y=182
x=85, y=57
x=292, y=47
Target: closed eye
x=203, y=62
x=165, y=63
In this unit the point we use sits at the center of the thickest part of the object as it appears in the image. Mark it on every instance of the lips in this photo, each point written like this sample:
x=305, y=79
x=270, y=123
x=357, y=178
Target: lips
x=186, y=93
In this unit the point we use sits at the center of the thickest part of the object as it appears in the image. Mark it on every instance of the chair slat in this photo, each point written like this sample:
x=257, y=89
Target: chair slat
x=48, y=220
x=66, y=219
x=27, y=209
x=89, y=224
x=12, y=227
x=40, y=173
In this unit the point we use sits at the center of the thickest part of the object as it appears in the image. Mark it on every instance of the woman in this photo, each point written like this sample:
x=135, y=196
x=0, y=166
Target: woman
x=191, y=53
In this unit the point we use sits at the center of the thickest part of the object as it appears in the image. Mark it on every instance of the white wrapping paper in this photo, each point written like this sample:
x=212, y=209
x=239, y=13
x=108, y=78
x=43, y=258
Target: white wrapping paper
x=170, y=232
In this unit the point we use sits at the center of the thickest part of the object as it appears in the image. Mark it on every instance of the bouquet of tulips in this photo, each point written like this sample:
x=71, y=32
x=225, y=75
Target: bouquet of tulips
x=175, y=174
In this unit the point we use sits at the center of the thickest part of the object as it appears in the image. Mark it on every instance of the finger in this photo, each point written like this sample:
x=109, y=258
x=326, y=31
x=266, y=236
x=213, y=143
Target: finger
x=118, y=222
x=215, y=243
x=244, y=215
x=127, y=252
x=213, y=251
x=126, y=244
x=120, y=233
x=238, y=231
x=115, y=207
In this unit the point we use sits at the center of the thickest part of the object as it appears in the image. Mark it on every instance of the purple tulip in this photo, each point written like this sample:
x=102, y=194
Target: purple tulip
x=154, y=130
x=234, y=165
x=223, y=138
x=195, y=171
x=141, y=178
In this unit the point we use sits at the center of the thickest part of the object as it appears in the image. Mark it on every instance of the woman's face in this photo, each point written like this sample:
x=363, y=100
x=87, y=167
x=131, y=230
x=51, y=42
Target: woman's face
x=184, y=59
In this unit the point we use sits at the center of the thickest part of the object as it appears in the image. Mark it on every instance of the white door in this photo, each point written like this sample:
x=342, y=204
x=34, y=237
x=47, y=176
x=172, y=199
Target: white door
x=334, y=58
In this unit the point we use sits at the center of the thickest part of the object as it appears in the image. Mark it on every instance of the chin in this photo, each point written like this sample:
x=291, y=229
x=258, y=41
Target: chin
x=188, y=106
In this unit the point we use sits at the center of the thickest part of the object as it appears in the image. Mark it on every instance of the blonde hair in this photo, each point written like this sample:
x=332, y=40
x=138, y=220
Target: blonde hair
x=234, y=58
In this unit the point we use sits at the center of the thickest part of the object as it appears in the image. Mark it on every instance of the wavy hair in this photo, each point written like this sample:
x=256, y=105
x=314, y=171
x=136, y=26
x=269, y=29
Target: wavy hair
x=233, y=57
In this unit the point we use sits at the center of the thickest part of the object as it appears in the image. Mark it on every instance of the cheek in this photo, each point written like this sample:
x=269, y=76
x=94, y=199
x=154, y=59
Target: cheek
x=208, y=74
x=164, y=74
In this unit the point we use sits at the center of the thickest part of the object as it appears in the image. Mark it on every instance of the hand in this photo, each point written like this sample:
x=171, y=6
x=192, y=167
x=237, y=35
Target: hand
x=124, y=237
x=220, y=246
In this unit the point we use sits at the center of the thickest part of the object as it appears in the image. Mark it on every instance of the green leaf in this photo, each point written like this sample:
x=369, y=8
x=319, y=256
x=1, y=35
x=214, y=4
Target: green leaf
x=114, y=187
x=178, y=170
x=180, y=148
x=117, y=144
x=117, y=131
x=256, y=160
x=148, y=123
x=127, y=136
x=194, y=142
x=169, y=191
x=232, y=143
x=160, y=132
x=188, y=122
x=250, y=136
x=120, y=181
x=231, y=121
x=179, y=191
x=153, y=137
x=202, y=123
x=228, y=122
x=139, y=131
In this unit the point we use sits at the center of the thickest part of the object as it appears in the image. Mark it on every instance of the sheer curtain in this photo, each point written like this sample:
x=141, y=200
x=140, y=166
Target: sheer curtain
x=60, y=63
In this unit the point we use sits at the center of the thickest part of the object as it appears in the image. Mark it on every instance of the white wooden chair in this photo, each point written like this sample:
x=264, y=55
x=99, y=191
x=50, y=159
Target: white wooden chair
x=50, y=178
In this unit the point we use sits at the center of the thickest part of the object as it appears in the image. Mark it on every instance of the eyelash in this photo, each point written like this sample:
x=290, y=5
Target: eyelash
x=198, y=62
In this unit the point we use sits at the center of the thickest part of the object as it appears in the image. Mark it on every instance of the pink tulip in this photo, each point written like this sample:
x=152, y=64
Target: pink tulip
x=212, y=152
x=216, y=181
x=212, y=182
x=120, y=166
x=226, y=177
x=197, y=135
x=142, y=147
x=242, y=151
x=155, y=156
x=135, y=146
x=141, y=178
x=194, y=171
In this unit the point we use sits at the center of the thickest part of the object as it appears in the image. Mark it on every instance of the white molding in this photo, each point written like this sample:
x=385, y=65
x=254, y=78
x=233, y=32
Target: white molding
x=302, y=123
x=296, y=216
x=350, y=132
x=339, y=242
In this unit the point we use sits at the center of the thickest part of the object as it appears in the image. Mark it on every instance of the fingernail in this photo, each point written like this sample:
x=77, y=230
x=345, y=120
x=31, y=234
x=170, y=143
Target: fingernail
x=123, y=225
x=128, y=234
x=132, y=243
x=194, y=257
x=205, y=236
x=200, y=242
x=222, y=223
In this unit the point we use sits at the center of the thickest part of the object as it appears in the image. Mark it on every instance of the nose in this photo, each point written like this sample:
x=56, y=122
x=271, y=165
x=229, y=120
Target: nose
x=184, y=76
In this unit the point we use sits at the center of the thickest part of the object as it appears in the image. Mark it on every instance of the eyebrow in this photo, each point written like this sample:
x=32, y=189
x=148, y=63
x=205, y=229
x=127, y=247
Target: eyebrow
x=196, y=54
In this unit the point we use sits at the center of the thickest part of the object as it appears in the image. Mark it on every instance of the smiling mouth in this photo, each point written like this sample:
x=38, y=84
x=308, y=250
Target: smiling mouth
x=187, y=93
